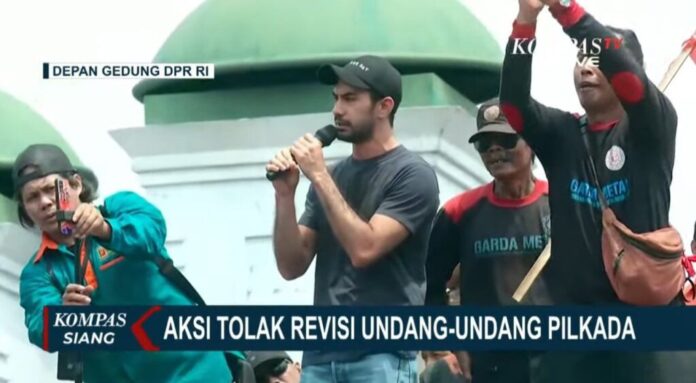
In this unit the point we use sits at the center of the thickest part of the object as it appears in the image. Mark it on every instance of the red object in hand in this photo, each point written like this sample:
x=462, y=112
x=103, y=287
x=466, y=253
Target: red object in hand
x=64, y=210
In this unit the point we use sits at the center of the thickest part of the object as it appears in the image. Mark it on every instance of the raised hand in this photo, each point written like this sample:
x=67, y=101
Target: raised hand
x=529, y=10
x=89, y=221
x=307, y=152
x=285, y=184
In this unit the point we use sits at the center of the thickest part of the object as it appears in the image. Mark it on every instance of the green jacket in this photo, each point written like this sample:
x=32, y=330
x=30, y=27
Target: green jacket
x=122, y=276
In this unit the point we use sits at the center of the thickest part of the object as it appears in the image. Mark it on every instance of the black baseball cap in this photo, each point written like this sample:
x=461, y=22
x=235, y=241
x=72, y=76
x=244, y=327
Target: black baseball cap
x=44, y=160
x=490, y=119
x=258, y=359
x=365, y=72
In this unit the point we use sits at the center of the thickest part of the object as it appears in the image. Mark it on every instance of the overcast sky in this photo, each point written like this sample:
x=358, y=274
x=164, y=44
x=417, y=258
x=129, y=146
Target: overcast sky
x=36, y=31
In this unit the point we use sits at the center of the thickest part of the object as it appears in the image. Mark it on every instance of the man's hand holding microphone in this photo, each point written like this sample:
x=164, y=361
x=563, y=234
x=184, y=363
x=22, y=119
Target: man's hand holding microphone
x=306, y=155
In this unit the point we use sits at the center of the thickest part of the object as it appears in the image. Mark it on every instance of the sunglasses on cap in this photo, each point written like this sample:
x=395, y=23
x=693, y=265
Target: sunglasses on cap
x=505, y=141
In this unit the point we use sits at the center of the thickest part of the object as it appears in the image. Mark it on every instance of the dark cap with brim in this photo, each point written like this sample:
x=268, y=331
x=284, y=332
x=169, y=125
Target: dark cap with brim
x=490, y=119
x=41, y=160
x=332, y=74
x=259, y=358
x=492, y=128
x=365, y=72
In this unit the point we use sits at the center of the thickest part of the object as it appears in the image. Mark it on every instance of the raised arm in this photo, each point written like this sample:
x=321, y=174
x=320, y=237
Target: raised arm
x=294, y=244
x=652, y=116
x=137, y=226
x=535, y=122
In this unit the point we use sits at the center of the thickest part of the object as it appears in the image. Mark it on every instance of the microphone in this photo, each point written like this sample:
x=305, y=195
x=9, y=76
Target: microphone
x=325, y=135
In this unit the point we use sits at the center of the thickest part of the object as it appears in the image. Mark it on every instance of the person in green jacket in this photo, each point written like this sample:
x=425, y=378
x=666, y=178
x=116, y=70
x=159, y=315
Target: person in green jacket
x=120, y=238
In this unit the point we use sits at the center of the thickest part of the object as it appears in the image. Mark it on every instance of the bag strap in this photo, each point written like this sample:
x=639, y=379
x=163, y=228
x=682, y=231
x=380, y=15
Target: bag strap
x=593, y=170
x=81, y=252
x=170, y=272
x=177, y=278
x=235, y=360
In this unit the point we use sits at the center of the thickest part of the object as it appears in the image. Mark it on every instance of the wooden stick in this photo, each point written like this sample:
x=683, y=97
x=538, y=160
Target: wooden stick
x=545, y=255
x=533, y=273
x=674, y=67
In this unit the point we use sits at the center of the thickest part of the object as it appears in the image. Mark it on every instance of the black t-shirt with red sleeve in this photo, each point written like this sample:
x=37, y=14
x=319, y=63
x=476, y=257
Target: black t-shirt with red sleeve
x=633, y=158
x=495, y=240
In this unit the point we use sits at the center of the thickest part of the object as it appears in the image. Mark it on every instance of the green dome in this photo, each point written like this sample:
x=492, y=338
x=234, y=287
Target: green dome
x=21, y=126
x=271, y=41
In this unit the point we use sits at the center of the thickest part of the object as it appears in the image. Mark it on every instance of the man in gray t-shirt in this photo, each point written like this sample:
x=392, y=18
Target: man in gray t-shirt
x=367, y=219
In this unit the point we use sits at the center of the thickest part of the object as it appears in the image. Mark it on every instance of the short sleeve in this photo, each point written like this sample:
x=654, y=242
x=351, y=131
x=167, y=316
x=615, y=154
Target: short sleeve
x=412, y=198
x=310, y=216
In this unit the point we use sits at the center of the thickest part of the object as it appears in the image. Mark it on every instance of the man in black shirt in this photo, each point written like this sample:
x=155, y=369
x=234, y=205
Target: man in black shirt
x=367, y=218
x=631, y=133
x=495, y=233
x=632, y=128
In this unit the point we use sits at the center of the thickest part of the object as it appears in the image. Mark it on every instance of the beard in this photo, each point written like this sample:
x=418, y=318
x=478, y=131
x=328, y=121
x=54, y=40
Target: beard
x=357, y=133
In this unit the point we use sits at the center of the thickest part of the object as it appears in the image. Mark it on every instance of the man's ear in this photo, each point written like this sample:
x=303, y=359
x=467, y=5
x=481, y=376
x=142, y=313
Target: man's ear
x=386, y=106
